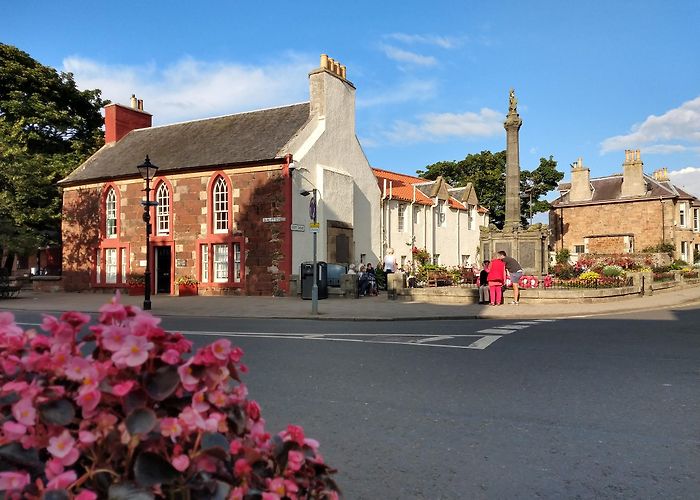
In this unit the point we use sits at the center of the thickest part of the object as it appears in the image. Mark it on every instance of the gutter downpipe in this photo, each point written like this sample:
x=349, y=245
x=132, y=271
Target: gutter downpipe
x=413, y=226
x=382, y=222
x=388, y=216
x=663, y=221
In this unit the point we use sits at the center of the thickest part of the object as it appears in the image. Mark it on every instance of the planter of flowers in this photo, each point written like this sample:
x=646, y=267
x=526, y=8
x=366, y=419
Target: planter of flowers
x=136, y=284
x=187, y=286
x=124, y=412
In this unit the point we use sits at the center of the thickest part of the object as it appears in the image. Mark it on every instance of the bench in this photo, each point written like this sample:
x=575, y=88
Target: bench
x=7, y=289
x=439, y=278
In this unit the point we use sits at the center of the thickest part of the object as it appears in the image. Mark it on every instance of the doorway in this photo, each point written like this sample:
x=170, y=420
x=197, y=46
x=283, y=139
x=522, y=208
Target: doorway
x=163, y=258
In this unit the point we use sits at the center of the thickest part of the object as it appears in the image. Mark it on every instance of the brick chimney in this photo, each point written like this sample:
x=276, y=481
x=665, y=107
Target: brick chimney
x=332, y=94
x=120, y=119
x=581, y=189
x=633, y=174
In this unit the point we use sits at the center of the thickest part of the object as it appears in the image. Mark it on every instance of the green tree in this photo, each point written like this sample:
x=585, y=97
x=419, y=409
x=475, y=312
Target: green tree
x=47, y=128
x=487, y=173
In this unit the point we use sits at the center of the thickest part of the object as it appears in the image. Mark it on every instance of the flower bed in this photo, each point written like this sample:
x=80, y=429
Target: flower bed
x=666, y=276
x=123, y=412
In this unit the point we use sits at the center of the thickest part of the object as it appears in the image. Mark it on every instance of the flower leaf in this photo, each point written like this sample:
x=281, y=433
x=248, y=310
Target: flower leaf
x=55, y=495
x=9, y=399
x=141, y=421
x=58, y=412
x=15, y=453
x=129, y=491
x=215, y=445
x=134, y=400
x=162, y=383
x=151, y=469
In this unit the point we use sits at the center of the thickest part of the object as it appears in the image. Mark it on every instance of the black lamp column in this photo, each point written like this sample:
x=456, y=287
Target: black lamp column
x=148, y=171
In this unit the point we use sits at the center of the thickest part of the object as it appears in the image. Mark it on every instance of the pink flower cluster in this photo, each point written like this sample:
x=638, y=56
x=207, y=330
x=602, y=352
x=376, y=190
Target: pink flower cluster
x=86, y=415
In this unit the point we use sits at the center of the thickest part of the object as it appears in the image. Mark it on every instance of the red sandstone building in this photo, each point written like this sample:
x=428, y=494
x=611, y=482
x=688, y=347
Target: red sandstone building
x=230, y=213
x=624, y=213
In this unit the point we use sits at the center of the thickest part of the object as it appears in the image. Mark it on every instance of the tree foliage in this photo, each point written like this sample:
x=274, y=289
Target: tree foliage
x=47, y=128
x=487, y=173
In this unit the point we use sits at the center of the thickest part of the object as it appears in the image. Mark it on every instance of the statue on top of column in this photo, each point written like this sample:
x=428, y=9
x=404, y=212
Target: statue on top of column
x=513, y=102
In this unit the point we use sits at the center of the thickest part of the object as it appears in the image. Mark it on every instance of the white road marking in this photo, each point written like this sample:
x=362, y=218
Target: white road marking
x=484, y=342
x=497, y=331
x=527, y=322
x=433, y=339
x=545, y=320
x=514, y=326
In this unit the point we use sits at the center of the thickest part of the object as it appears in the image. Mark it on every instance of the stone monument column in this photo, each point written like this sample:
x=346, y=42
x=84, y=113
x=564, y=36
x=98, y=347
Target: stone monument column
x=512, y=125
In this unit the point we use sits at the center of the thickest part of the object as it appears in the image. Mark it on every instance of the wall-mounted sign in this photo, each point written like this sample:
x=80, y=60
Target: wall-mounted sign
x=274, y=219
x=142, y=263
x=181, y=263
x=298, y=227
x=315, y=225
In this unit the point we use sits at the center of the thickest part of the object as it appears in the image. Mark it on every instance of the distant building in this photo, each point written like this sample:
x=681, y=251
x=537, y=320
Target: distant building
x=624, y=213
x=431, y=215
x=230, y=210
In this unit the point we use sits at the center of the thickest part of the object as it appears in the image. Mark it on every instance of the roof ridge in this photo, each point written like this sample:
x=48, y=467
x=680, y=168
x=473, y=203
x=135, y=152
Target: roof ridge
x=403, y=175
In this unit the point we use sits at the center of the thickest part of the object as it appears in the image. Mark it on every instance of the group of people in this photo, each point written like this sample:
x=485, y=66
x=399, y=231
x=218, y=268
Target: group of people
x=366, y=275
x=492, y=279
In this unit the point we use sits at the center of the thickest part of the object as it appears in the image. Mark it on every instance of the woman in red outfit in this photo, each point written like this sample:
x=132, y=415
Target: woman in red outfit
x=496, y=278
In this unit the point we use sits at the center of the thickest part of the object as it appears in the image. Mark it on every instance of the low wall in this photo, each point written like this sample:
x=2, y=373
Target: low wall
x=50, y=284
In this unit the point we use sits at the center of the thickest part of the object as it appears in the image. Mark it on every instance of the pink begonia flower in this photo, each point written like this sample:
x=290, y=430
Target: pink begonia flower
x=113, y=337
x=11, y=364
x=238, y=493
x=77, y=368
x=239, y=393
x=133, y=353
x=113, y=312
x=89, y=400
x=295, y=459
x=311, y=443
x=276, y=485
x=242, y=468
x=145, y=325
x=75, y=319
x=86, y=437
x=60, y=446
x=199, y=402
x=24, y=411
x=86, y=495
x=257, y=432
x=62, y=481
x=60, y=332
x=123, y=388
x=217, y=398
x=15, y=386
x=8, y=327
x=253, y=410
x=171, y=356
x=217, y=374
x=53, y=468
x=170, y=427
x=296, y=434
x=192, y=419
x=235, y=447
x=13, y=430
x=40, y=342
x=221, y=349
x=11, y=481
x=270, y=496
x=236, y=354
x=189, y=381
x=181, y=463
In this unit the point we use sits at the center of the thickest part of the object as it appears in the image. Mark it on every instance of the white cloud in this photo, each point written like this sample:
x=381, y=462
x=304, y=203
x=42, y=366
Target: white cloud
x=436, y=126
x=687, y=178
x=190, y=89
x=445, y=42
x=670, y=130
x=415, y=90
x=406, y=56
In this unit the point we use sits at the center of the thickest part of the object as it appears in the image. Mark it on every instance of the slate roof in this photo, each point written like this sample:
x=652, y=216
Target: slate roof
x=212, y=142
x=608, y=189
x=402, y=189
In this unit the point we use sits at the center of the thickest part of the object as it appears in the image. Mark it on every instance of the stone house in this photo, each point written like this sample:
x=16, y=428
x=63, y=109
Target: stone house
x=432, y=215
x=230, y=210
x=624, y=213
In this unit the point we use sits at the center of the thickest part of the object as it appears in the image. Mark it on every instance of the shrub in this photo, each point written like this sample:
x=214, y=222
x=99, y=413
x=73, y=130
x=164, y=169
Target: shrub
x=122, y=413
x=136, y=279
x=589, y=276
x=668, y=248
x=678, y=264
x=563, y=271
x=420, y=255
x=562, y=256
x=612, y=271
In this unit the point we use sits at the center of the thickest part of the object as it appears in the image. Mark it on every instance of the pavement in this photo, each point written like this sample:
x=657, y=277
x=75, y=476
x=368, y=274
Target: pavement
x=337, y=308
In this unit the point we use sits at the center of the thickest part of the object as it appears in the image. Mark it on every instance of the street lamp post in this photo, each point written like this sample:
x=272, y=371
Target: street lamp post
x=147, y=171
x=314, y=230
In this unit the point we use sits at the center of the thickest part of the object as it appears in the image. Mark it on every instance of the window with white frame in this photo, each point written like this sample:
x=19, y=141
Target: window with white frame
x=402, y=217
x=696, y=253
x=163, y=209
x=237, y=262
x=440, y=214
x=220, y=263
x=220, y=206
x=685, y=254
x=204, y=252
x=681, y=214
x=124, y=264
x=696, y=219
x=579, y=248
x=111, y=214
x=465, y=260
x=98, y=267
x=110, y=265
x=416, y=215
x=436, y=259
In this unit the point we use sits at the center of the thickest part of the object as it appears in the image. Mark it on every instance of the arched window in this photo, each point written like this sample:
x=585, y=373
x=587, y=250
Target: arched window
x=220, y=206
x=163, y=209
x=111, y=214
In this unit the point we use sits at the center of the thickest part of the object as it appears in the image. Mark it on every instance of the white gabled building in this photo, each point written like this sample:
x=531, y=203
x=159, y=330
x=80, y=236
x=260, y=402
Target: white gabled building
x=429, y=215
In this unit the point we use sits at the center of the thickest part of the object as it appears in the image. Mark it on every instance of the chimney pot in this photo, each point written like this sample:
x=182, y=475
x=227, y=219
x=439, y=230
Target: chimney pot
x=133, y=101
x=324, y=61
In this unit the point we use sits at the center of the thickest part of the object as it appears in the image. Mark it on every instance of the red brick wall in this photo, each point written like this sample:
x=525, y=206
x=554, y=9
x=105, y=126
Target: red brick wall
x=79, y=226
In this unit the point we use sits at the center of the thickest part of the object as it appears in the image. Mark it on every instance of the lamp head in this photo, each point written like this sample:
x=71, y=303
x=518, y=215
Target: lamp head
x=147, y=169
x=305, y=192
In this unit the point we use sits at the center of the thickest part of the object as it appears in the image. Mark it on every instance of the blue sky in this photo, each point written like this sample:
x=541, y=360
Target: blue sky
x=432, y=78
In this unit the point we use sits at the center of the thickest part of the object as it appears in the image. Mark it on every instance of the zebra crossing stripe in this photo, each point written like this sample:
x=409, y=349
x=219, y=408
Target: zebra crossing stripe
x=497, y=331
x=484, y=342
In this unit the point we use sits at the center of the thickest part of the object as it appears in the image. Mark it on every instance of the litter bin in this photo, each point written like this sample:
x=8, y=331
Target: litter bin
x=307, y=279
